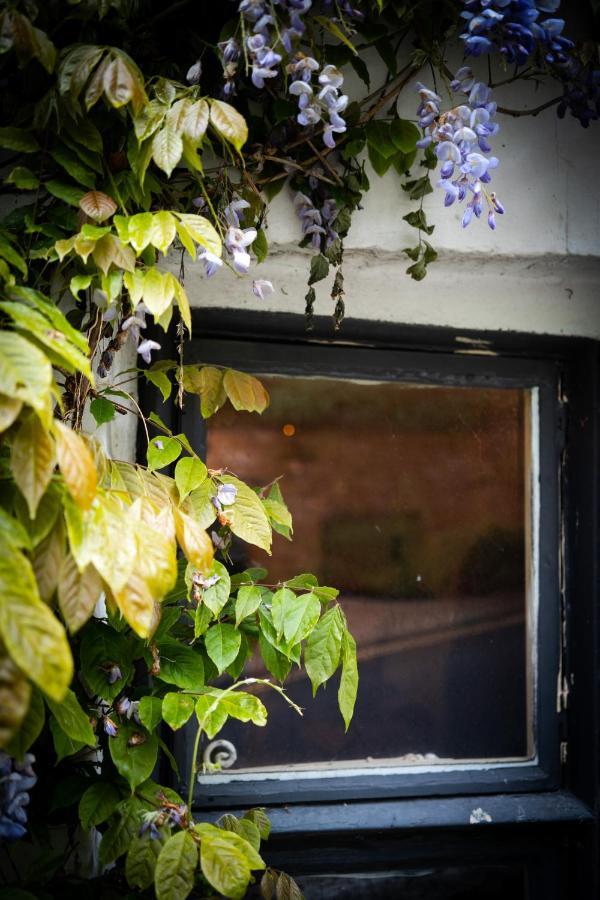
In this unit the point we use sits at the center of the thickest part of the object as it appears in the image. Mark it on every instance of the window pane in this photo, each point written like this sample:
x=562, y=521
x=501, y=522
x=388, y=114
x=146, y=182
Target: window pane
x=413, y=501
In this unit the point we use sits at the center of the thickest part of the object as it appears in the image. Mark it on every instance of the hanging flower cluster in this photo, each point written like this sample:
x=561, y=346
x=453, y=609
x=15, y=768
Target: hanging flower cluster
x=317, y=224
x=326, y=105
x=260, y=14
x=460, y=136
x=512, y=28
x=16, y=780
x=230, y=52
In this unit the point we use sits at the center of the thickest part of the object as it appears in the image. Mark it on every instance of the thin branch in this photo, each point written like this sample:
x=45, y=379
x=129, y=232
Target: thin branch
x=530, y=112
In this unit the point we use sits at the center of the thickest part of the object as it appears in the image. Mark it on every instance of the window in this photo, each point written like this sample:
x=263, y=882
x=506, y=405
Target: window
x=448, y=495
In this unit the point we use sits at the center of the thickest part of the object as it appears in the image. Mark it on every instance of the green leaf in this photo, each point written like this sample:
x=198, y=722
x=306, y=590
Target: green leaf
x=161, y=381
x=32, y=634
x=36, y=326
x=210, y=714
x=286, y=606
x=30, y=727
x=190, y=472
x=181, y=665
x=245, y=391
x=226, y=860
x=150, y=712
x=248, y=600
x=199, y=504
x=330, y=25
x=259, y=818
x=102, y=648
x=228, y=123
x=379, y=138
x=323, y=647
x=123, y=827
x=98, y=803
x=176, y=867
x=275, y=661
x=202, y=619
x=72, y=166
x=379, y=162
x=177, y=709
x=349, y=680
x=102, y=410
x=167, y=147
x=244, y=707
x=404, y=135
x=134, y=761
x=72, y=719
x=23, y=178
x=319, y=268
x=162, y=451
x=247, y=516
x=216, y=596
x=12, y=532
x=63, y=745
x=222, y=643
x=260, y=247
x=68, y=193
x=79, y=283
x=18, y=139
x=140, y=864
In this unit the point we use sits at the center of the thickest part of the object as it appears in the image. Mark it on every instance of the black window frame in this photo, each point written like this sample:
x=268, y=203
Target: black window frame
x=560, y=791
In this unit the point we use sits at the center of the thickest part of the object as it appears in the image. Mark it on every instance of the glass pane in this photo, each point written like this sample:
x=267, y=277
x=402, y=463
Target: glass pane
x=413, y=501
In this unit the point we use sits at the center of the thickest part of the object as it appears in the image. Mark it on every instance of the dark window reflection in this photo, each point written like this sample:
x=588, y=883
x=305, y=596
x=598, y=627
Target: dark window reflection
x=412, y=501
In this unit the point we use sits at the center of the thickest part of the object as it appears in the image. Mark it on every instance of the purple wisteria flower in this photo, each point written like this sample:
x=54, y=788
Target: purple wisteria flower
x=263, y=59
x=262, y=288
x=204, y=582
x=16, y=780
x=514, y=28
x=211, y=261
x=460, y=137
x=323, y=106
x=145, y=349
x=317, y=223
x=110, y=727
x=194, y=73
x=226, y=494
x=236, y=241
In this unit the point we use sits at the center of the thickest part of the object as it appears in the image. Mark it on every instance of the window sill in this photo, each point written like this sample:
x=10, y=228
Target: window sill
x=432, y=812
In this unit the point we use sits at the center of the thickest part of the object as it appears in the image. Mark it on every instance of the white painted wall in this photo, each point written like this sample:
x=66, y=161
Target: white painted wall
x=539, y=271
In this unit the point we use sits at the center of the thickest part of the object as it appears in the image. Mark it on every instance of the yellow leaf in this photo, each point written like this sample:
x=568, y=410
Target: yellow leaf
x=32, y=461
x=98, y=206
x=118, y=83
x=134, y=282
x=163, y=231
x=186, y=239
x=64, y=247
x=47, y=560
x=154, y=576
x=78, y=593
x=183, y=303
x=109, y=541
x=26, y=374
x=228, y=123
x=76, y=464
x=194, y=541
x=245, y=392
x=201, y=230
x=109, y=251
x=208, y=383
x=83, y=247
x=167, y=148
x=15, y=693
x=9, y=410
x=177, y=115
x=32, y=634
x=158, y=291
x=196, y=121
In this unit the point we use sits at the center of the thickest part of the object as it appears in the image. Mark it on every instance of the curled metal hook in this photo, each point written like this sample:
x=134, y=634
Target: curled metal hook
x=219, y=753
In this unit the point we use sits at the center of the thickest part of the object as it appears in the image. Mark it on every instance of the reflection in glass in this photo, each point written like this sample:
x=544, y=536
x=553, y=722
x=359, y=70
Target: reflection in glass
x=413, y=501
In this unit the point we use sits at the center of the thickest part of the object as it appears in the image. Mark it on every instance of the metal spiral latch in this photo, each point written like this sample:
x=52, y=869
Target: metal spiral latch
x=219, y=754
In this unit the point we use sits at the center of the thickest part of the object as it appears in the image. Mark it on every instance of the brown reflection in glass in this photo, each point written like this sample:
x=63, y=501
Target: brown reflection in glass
x=412, y=501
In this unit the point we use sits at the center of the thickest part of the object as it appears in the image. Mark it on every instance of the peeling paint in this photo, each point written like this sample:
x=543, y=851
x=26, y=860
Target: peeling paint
x=479, y=817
